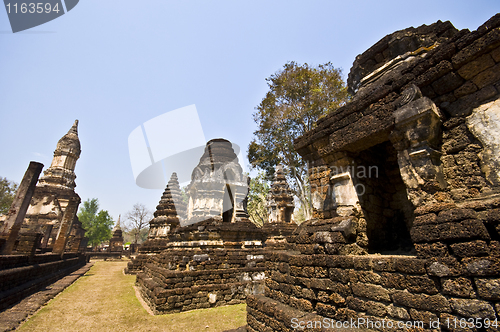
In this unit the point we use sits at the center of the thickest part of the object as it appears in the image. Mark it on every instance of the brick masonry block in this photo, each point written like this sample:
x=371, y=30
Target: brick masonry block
x=488, y=289
x=470, y=249
x=482, y=266
x=465, y=229
x=461, y=287
x=471, y=69
x=427, y=250
x=482, y=45
x=434, y=303
x=373, y=292
x=444, y=267
x=473, y=308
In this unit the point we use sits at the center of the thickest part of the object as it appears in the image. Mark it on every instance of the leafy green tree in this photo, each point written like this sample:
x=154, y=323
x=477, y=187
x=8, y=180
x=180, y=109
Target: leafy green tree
x=97, y=223
x=257, y=193
x=7, y=193
x=298, y=96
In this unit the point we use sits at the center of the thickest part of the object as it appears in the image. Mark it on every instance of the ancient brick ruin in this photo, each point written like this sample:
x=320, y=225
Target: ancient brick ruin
x=280, y=199
x=166, y=217
x=116, y=241
x=405, y=185
x=214, y=255
x=53, y=208
x=42, y=239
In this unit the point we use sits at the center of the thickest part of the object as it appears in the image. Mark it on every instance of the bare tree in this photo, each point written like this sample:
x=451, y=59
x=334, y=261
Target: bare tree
x=137, y=219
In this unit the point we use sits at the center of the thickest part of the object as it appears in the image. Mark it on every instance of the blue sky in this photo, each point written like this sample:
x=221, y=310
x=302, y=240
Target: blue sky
x=117, y=64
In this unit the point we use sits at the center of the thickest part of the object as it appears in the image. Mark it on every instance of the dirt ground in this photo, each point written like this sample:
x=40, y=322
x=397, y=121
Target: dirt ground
x=104, y=300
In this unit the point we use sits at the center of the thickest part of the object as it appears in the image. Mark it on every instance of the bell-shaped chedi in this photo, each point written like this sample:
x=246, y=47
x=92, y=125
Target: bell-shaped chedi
x=61, y=172
x=168, y=212
x=218, y=186
x=280, y=199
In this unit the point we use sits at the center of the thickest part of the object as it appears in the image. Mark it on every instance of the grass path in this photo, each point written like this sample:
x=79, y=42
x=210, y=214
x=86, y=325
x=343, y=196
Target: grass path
x=104, y=300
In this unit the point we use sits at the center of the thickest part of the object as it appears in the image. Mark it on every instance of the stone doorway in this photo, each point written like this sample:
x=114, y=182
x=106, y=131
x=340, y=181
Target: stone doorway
x=384, y=201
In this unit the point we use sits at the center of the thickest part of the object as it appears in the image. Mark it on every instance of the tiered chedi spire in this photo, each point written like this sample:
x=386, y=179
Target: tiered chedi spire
x=280, y=199
x=61, y=172
x=117, y=226
x=168, y=211
x=116, y=242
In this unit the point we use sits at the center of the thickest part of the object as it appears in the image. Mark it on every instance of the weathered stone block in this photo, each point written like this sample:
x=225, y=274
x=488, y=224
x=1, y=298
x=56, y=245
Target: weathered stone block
x=450, y=231
x=307, y=294
x=423, y=316
x=456, y=214
x=494, y=248
x=434, y=303
x=466, y=89
x=373, y=292
x=447, y=83
x=480, y=46
x=427, y=250
x=464, y=105
x=345, y=262
x=323, y=284
x=444, y=267
x=487, y=266
x=495, y=54
x=336, y=299
x=306, y=249
x=333, y=248
x=461, y=287
x=397, y=312
x=487, y=77
x=430, y=218
x=473, y=308
x=355, y=303
x=375, y=308
x=363, y=263
x=488, y=289
x=368, y=277
x=383, y=264
x=340, y=275
x=470, y=249
x=326, y=310
x=421, y=284
x=434, y=73
x=410, y=265
x=471, y=69
x=301, y=304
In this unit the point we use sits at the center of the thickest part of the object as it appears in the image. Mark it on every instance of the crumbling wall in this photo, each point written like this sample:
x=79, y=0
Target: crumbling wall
x=22, y=275
x=206, y=264
x=187, y=279
x=454, y=277
x=429, y=124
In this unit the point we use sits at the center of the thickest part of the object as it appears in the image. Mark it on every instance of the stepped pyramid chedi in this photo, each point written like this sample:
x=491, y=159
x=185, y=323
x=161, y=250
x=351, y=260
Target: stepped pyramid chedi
x=169, y=210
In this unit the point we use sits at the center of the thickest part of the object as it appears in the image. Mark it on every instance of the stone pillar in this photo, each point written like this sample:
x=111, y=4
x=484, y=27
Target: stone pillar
x=46, y=235
x=66, y=224
x=19, y=206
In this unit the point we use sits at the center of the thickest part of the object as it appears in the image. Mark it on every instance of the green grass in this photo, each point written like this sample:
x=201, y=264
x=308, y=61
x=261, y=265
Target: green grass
x=104, y=300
